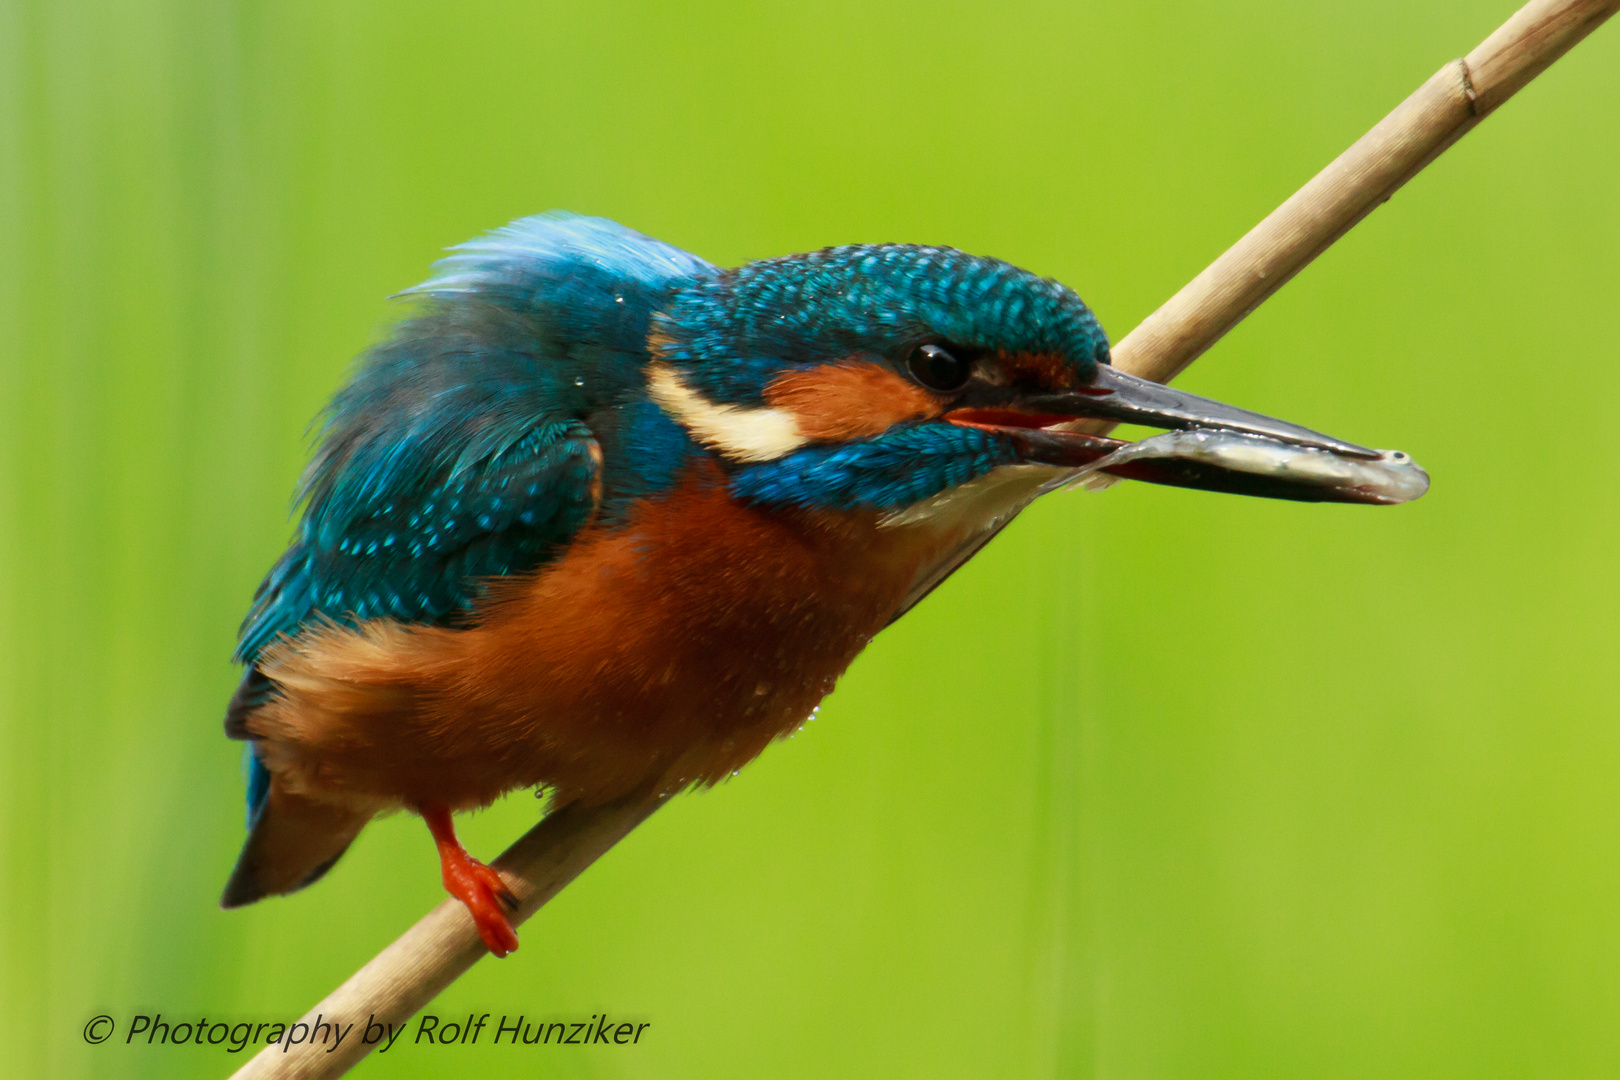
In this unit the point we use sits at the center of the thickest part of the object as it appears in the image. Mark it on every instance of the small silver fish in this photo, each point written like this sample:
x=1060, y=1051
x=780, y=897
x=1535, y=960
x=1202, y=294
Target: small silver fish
x=1245, y=464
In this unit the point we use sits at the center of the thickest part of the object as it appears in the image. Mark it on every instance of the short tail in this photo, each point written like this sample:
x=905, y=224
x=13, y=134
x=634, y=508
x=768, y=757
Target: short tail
x=293, y=842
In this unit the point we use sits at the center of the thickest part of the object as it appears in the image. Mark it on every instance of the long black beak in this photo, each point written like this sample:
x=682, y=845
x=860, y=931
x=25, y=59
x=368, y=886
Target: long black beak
x=1114, y=395
x=1210, y=446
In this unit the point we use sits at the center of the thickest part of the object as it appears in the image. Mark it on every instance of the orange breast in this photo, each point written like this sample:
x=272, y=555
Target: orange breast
x=671, y=649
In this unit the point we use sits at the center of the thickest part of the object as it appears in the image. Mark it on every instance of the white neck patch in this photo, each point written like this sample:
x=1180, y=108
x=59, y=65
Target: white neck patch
x=979, y=504
x=740, y=433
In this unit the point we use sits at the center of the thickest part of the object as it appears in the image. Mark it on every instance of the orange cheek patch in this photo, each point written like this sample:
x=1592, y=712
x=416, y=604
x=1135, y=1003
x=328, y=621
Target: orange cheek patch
x=1039, y=369
x=852, y=400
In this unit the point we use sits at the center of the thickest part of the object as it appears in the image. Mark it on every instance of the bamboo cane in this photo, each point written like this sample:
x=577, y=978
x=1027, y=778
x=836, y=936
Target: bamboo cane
x=437, y=950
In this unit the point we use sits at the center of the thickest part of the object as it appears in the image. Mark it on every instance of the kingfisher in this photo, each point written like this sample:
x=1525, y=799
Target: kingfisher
x=599, y=517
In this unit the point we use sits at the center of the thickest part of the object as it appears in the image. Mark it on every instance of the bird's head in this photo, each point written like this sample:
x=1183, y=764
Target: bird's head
x=886, y=376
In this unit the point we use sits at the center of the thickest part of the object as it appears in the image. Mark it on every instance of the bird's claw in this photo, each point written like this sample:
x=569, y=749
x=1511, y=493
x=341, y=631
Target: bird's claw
x=488, y=900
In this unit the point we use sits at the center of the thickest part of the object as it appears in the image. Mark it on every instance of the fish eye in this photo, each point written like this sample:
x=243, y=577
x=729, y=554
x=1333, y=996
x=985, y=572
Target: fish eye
x=937, y=368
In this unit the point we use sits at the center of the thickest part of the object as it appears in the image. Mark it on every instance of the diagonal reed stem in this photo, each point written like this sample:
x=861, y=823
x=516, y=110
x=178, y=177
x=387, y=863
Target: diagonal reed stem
x=444, y=943
x=438, y=949
x=1438, y=113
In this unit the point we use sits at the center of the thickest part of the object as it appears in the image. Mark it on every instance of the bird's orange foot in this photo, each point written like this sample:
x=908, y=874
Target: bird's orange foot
x=487, y=897
x=478, y=886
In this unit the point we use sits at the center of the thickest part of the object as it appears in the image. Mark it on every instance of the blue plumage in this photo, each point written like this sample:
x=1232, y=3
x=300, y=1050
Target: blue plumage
x=468, y=445
x=548, y=259
x=733, y=333
x=458, y=452
x=902, y=466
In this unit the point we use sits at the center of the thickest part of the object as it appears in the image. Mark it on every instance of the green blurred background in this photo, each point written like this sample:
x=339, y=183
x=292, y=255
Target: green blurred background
x=1165, y=784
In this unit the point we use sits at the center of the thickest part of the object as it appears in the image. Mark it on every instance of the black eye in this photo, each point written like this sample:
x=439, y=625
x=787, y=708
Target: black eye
x=939, y=369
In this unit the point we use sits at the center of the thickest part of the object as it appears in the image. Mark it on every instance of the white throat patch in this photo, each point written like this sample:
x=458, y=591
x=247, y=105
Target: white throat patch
x=740, y=433
x=979, y=504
